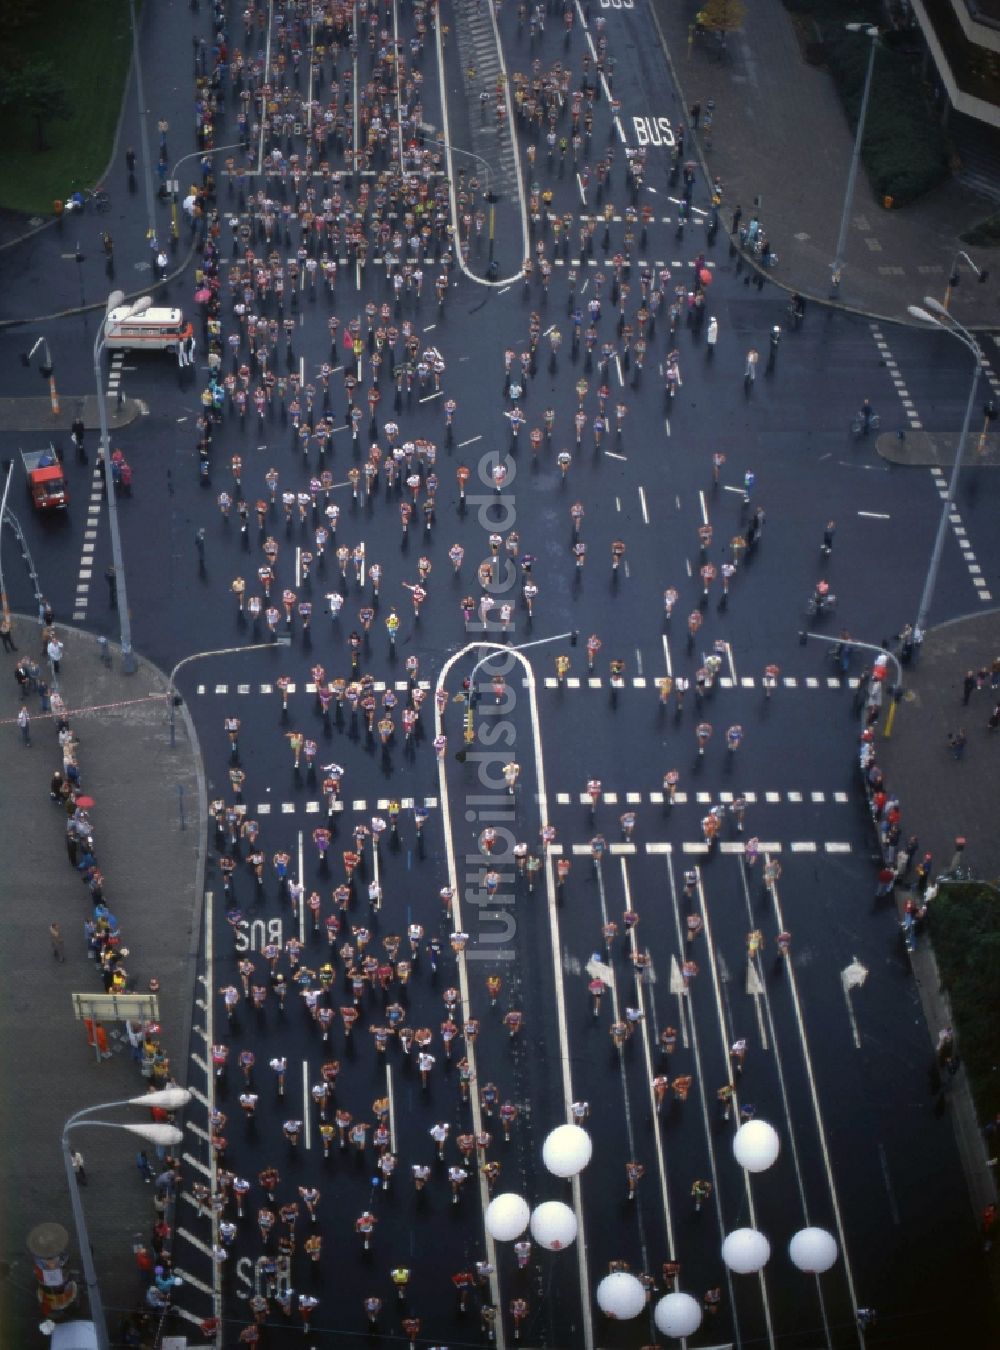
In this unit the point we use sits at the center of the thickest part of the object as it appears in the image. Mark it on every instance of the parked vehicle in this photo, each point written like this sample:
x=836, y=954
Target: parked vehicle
x=46, y=481
x=152, y=330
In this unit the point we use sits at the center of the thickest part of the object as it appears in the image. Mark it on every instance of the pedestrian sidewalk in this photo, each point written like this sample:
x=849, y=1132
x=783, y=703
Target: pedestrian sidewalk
x=780, y=134
x=149, y=842
x=943, y=797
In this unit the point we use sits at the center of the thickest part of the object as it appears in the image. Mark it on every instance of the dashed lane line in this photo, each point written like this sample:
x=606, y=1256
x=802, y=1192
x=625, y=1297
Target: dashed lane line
x=698, y=847
x=937, y=474
x=574, y=682
x=313, y=808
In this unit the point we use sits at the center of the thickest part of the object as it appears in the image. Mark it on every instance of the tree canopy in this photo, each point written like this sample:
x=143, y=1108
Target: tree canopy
x=722, y=16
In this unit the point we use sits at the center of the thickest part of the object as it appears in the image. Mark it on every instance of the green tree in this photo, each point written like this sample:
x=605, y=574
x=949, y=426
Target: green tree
x=722, y=16
x=36, y=89
x=15, y=13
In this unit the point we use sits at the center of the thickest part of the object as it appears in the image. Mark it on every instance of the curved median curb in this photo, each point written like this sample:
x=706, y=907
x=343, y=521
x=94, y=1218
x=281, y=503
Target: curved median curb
x=32, y=415
x=925, y=449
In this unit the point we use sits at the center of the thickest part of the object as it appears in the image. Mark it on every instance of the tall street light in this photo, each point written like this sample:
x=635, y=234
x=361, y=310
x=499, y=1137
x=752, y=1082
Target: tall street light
x=954, y=276
x=47, y=369
x=491, y=197
x=172, y=695
x=143, y=131
x=141, y=305
x=837, y=266
x=155, y=1133
x=940, y=318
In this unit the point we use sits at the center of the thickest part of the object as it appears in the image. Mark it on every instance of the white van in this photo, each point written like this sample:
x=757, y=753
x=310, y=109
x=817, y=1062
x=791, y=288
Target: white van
x=154, y=330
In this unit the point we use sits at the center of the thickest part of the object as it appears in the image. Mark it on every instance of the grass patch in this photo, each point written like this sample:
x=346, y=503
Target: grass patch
x=90, y=45
x=964, y=921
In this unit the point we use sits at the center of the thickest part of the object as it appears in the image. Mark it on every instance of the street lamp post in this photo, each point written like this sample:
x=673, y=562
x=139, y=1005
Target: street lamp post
x=143, y=131
x=837, y=266
x=980, y=274
x=281, y=641
x=155, y=1133
x=952, y=326
x=470, y=714
x=175, y=182
x=897, y=690
x=140, y=306
x=47, y=369
x=491, y=196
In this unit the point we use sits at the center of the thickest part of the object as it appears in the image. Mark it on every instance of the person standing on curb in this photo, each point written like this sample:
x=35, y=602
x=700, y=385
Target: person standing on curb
x=76, y=1158
x=6, y=635
x=24, y=722
x=76, y=432
x=55, y=650
x=58, y=943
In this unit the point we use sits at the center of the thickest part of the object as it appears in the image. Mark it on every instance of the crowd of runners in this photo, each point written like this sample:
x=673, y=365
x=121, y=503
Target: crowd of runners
x=335, y=196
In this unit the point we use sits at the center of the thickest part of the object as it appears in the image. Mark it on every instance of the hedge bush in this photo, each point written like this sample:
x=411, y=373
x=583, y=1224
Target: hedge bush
x=964, y=924
x=905, y=149
x=984, y=234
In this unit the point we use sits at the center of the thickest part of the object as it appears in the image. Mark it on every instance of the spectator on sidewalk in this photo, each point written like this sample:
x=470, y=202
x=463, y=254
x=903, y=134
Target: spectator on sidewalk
x=24, y=722
x=55, y=651
x=76, y=1158
x=6, y=635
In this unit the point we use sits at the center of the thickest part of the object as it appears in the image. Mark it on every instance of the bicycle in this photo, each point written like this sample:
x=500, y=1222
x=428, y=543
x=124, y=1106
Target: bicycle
x=962, y=872
x=861, y=427
x=80, y=198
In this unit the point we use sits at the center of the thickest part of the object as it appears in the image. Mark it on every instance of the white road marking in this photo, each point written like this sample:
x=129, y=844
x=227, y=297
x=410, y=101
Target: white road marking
x=306, y=1112
x=724, y=1035
x=647, y=1051
x=820, y=1124
x=762, y=995
x=642, y=504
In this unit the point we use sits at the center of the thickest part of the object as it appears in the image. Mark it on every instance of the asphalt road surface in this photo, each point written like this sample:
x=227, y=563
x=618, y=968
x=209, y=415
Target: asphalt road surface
x=842, y=1077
